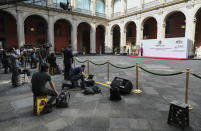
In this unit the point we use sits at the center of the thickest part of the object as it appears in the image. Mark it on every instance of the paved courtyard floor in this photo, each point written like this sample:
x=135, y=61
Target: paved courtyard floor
x=135, y=112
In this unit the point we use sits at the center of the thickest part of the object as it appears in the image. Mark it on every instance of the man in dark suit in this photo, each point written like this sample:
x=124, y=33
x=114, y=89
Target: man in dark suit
x=68, y=60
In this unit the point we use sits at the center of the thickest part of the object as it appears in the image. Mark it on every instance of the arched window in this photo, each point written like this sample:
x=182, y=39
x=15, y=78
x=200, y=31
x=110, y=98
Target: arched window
x=117, y=6
x=100, y=6
x=83, y=4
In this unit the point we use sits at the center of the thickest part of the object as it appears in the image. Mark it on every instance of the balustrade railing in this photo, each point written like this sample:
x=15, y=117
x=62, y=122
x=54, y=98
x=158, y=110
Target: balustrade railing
x=151, y=4
x=130, y=10
x=103, y=15
x=116, y=14
x=37, y=2
x=82, y=11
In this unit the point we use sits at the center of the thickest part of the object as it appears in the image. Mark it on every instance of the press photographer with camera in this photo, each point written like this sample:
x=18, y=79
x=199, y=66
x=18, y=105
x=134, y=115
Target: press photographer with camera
x=34, y=59
x=43, y=54
x=6, y=61
x=15, y=64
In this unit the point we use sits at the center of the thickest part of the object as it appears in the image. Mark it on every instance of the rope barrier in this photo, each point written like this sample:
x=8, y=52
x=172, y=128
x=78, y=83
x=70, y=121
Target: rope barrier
x=121, y=67
x=81, y=61
x=196, y=75
x=97, y=64
x=172, y=74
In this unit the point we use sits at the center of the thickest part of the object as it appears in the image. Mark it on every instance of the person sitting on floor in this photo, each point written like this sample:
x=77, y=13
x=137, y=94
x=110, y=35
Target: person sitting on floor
x=39, y=80
x=76, y=74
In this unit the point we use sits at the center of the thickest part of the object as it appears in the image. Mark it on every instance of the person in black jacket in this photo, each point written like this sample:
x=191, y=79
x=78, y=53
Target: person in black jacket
x=68, y=60
x=6, y=61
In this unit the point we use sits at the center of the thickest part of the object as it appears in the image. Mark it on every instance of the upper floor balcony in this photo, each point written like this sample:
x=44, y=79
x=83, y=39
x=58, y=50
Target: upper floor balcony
x=144, y=6
x=43, y=3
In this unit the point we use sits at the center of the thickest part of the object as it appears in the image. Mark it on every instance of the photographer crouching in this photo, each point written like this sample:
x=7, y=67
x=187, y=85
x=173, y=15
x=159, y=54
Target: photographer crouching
x=15, y=64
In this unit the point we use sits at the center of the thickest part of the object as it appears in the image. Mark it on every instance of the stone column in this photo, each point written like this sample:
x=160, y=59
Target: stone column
x=20, y=29
x=93, y=38
x=108, y=40
x=123, y=3
x=139, y=33
x=106, y=10
x=122, y=39
x=93, y=7
x=110, y=9
x=161, y=29
x=141, y=4
x=51, y=32
x=190, y=27
x=74, y=37
x=50, y=3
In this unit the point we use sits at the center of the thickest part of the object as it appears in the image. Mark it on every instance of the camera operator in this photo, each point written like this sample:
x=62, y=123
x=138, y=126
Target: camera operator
x=43, y=53
x=6, y=61
x=15, y=66
x=33, y=58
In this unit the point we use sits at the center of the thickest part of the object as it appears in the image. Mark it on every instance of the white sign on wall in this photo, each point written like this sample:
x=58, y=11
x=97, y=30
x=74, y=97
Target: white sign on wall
x=169, y=47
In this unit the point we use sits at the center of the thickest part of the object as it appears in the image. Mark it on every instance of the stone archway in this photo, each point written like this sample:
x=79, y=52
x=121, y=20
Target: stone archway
x=116, y=38
x=83, y=37
x=62, y=34
x=175, y=25
x=8, y=30
x=35, y=30
x=150, y=28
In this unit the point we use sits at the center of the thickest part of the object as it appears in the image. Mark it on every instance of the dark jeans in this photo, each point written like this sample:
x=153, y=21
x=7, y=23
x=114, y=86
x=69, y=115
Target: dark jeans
x=74, y=78
x=6, y=66
x=47, y=92
x=67, y=71
x=15, y=76
x=33, y=63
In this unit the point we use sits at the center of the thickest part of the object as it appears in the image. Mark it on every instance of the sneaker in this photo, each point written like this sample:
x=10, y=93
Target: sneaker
x=47, y=109
x=16, y=85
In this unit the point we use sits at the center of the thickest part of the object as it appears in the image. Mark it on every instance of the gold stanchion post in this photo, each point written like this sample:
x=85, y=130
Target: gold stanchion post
x=187, y=86
x=108, y=73
x=63, y=61
x=137, y=90
x=88, y=66
x=74, y=62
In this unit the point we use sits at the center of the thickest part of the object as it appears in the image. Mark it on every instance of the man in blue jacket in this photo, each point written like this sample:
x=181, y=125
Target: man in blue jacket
x=68, y=60
x=76, y=74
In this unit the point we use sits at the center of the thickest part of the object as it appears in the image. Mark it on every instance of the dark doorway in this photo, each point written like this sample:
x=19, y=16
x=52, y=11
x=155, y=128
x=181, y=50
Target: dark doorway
x=3, y=43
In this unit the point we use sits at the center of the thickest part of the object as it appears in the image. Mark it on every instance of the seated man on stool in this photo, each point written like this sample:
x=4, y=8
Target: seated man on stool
x=76, y=74
x=39, y=81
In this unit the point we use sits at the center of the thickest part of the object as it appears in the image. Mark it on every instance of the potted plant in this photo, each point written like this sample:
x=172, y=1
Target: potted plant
x=116, y=50
x=83, y=50
x=133, y=49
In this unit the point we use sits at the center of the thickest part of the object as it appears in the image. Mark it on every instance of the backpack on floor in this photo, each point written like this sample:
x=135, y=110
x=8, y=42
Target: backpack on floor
x=115, y=94
x=89, y=81
x=125, y=86
x=92, y=90
x=63, y=99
